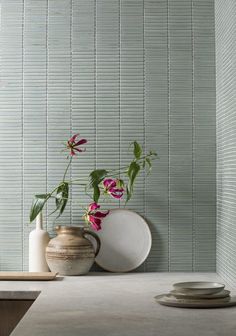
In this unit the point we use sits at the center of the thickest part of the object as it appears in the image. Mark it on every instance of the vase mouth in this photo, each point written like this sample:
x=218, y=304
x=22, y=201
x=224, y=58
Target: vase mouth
x=69, y=229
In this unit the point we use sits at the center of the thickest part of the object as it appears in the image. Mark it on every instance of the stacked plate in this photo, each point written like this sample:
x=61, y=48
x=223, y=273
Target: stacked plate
x=199, y=294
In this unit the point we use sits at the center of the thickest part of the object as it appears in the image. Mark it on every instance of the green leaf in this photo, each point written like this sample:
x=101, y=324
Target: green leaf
x=96, y=177
x=57, y=208
x=62, y=197
x=62, y=192
x=152, y=153
x=137, y=150
x=37, y=205
x=149, y=165
x=96, y=193
x=133, y=171
x=129, y=194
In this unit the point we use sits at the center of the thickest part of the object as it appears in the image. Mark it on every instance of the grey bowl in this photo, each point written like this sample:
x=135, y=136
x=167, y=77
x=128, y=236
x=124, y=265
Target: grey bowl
x=199, y=287
x=220, y=295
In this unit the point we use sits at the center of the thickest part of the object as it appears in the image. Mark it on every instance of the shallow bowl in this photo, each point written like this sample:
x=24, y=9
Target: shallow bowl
x=222, y=294
x=199, y=287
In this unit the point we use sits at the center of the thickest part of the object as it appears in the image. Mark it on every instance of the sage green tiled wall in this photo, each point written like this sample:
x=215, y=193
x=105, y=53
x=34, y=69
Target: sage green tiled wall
x=226, y=139
x=114, y=70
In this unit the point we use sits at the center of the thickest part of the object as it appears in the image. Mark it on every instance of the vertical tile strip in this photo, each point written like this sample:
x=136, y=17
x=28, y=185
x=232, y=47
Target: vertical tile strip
x=204, y=135
x=193, y=144
x=168, y=97
x=11, y=114
x=144, y=118
x=46, y=186
x=119, y=94
x=95, y=81
x=156, y=115
x=22, y=140
x=71, y=50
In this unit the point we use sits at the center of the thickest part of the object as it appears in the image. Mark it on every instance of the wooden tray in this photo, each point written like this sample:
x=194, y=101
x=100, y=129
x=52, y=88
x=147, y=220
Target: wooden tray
x=25, y=276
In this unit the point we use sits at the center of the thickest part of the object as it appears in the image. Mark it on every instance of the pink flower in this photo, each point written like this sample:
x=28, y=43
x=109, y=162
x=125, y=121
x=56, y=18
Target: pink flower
x=94, y=217
x=73, y=144
x=110, y=187
x=93, y=206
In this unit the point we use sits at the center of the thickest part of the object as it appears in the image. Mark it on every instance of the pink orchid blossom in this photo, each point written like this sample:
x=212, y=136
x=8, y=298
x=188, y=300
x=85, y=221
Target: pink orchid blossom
x=111, y=188
x=93, y=206
x=73, y=145
x=94, y=217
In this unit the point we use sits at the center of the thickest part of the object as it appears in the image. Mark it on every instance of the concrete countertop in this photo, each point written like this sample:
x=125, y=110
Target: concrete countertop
x=105, y=304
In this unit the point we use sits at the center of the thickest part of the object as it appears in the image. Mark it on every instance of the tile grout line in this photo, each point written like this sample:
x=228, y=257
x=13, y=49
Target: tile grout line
x=22, y=144
x=216, y=149
x=119, y=4
x=168, y=98
x=95, y=80
x=71, y=18
x=218, y=137
x=144, y=116
x=46, y=126
x=193, y=144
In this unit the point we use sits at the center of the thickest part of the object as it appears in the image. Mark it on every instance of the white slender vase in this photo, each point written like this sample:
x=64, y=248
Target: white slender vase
x=38, y=241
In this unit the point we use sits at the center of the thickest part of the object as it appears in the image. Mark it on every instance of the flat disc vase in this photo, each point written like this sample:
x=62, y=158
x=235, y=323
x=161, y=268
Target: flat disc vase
x=70, y=252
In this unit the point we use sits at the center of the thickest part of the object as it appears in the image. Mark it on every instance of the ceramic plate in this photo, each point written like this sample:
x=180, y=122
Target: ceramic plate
x=125, y=241
x=170, y=300
x=199, y=287
x=222, y=294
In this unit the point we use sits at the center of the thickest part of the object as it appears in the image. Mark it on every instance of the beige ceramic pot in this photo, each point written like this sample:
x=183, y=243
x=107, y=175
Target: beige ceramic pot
x=70, y=252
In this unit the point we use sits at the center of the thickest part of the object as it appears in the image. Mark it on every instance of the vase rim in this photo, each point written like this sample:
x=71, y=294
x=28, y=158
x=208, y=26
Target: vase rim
x=64, y=228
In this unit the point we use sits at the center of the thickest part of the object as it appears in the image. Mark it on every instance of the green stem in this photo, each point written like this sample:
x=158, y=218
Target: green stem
x=112, y=172
x=126, y=167
x=118, y=169
x=74, y=182
x=67, y=169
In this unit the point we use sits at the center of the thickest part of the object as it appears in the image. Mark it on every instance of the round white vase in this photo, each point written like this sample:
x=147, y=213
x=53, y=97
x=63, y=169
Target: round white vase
x=38, y=241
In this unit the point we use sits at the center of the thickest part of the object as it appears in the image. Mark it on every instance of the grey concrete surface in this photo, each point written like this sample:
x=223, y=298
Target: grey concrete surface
x=18, y=295
x=104, y=304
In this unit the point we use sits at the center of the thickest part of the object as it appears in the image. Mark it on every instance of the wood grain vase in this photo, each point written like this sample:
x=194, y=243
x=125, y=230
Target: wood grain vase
x=70, y=252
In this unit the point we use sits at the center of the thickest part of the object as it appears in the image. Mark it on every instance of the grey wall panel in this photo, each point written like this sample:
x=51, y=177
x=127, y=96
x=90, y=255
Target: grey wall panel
x=116, y=71
x=226, y=139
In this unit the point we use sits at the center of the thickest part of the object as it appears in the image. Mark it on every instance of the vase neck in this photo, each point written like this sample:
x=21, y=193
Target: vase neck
x=75, y=230
x=39, y=221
